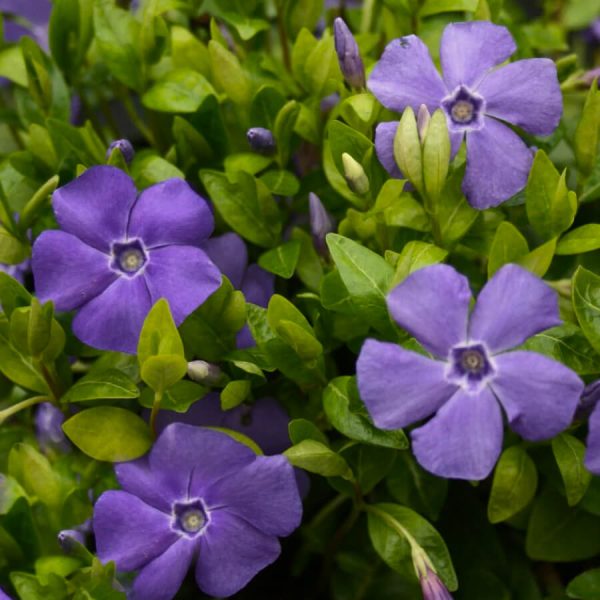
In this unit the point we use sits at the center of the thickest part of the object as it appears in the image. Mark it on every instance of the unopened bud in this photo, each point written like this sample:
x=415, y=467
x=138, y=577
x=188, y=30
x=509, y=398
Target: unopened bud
x=355, y=175
x=407, y=149
x=204, y=372
x=423, y=119
x=124, y=146
x=69, y=539
x=48, y=425
x=433, y=587
x=351, y=63
x=320, y=223
x=261, y=140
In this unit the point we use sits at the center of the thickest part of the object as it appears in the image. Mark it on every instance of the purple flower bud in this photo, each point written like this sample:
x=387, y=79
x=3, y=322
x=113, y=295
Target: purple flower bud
x=348, y=53
x=423, y=119
x=69, y=538
x=48, y=425
x=204, y=372
x=432, y=587
x=124, y=146
x=320, y=223
x=261, y=140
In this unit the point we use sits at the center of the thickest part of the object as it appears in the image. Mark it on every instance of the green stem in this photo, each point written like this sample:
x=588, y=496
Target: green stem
x=8, y=412
x=287, y=61
x=155, y=408
x=393, y=524
x=135, y=118
x=53, y=384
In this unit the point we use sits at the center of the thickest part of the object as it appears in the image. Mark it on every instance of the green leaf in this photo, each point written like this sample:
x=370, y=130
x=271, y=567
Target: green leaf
x=366, y=275
x=407, y=149
x=159, y=334
x=109, y=433
x=163, y=371
x=234, y=393
x=266, y=104
x=569, y=452
x=587, y=132
x=302, y=429
x=348, y=415
x=178, y=397
x=558, y=533
x=414, y=256
x=229, y=75
x=180, y=91
x=246, y=204
x=582, y=239
x=109, y=384
x=322, y=73
x=586, y=303
x=538, y=261
x=280, y=309
x=12, y=294
x=281, y=183
x=303, y=343
x=454, y=213
x=309, y=268
x=585, y=586
x=282, y=260
x=147, y=169
x=283, y=129
x=508, y=246
x=315, y=457
x=387, y=524
x=550, y=206
x=514, y=484
x=434, y=7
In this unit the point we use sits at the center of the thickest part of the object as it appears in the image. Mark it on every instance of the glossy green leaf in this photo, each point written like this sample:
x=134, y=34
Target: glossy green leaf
x=315, y=457
x=108, y=384
x=586, y=303
x=569, y=453
x=282, y=260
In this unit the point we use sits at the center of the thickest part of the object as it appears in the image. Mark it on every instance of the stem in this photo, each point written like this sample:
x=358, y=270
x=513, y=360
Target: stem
x=155, y=408
x=135, y=118
x=367, y=16
x=287, y=61
x=51, y=381
x=7, y=412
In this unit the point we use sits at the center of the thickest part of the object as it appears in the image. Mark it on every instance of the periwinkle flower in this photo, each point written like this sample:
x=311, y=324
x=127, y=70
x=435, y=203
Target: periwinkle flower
x=351, y=63
x=261, y=140
x=34, y=15
x=476, y=96
x=433, y=587
x=590, y=405
x=198, y=496
x=230, y=254
x=48, y=427
x=117, y=253
x=320, y=223
x=472, y=374
x=124, y=147
x=4, y=595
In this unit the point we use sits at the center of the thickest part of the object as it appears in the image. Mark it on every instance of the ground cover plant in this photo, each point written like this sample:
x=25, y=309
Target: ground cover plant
x=300, y=299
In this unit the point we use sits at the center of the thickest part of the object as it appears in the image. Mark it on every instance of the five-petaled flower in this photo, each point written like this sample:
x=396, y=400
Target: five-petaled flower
x=477, y=98
x=471, y=373
x=199, y=495
x=118, y=253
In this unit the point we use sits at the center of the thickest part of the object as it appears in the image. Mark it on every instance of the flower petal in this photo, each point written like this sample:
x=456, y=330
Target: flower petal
x=498, y=164
x=539, y=395
x=592, y=455
x=170, y=212
x=232, y=552
x=525, y=93
x=184, y=275
x=469, y=49
x=162, y=578
x=406, y=76
x=433, y=304
x=230, y=254
x=113, y=320
x=67, y=271
x=384, y=147
x=129, y=531
x=400, y=387
x=95, y=206
x=258, y=285
x=464, y=439
x=264, y=493
x=189, y=459
x=512, y=306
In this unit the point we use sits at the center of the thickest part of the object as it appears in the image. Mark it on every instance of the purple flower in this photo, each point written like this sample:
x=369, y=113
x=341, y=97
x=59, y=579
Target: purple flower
x=351, y=63
x=229, y=253
x=118, y=253
x=589, y=404
x=125, y=148
x=320, y=223
x=265, y=421
x=433, y=588
x=198, y=496
x=471, y=374
x=36, y=12
x=48, y=426
x=18, y=272
x=476, y=98
x=3, y=595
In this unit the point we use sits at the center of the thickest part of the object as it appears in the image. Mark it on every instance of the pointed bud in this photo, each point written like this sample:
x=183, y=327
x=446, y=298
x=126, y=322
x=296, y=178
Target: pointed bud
x=432, y=586
x=407, y=149
x=48, y=426
x=320, y=223
x=69, y=539
x=423, y=119
x=204, y=372
x=124, y=146
x=351, y=63
x=355, y=175
x=261, y=140
x=436, y=155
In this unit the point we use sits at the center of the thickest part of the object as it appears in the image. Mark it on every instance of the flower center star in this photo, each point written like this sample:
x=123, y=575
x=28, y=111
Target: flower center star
x=189, y=518
x=128, y=257
x=470, y=367
x=464, y=110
